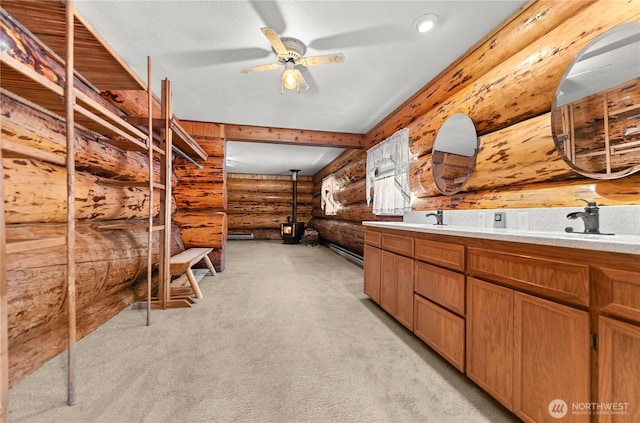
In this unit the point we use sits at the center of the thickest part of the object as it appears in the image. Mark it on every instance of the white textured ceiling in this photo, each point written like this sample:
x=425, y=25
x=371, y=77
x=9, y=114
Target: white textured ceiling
x=201, y=46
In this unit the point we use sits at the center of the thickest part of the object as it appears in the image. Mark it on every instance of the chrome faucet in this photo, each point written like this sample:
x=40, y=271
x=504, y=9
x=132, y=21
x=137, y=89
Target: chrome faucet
x=439, y=216
x=590, y=216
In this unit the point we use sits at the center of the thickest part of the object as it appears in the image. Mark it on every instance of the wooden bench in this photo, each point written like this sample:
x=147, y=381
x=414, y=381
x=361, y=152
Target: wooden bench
x=182, y=262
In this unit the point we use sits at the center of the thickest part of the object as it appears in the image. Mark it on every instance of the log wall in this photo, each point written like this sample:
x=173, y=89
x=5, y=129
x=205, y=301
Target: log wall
x=201, y=194
x=506, y=84
x=258, y=204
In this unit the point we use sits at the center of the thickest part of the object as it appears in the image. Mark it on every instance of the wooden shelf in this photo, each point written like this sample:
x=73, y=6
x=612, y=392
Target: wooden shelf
x=181, y=139
x=94, y=58
x=20, y=245
x=25, y=82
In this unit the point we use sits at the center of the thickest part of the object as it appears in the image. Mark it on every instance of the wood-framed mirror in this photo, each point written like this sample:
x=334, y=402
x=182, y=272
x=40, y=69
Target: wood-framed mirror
x=453, y=156
x=595, y=118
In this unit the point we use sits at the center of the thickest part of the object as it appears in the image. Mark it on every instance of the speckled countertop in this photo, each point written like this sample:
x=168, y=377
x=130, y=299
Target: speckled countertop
x=628, y=244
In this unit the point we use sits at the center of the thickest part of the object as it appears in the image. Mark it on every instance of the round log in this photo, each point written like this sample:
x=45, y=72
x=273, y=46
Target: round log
x=352, y=172
x=200, y=196
x=351, y=193
x=349, y=235
x=202, y=229
x=212, y=171
x=106, y=262
x=549, y=194
x=268, y=186
x=348, y=156
x=356, y=212
x=35, y=191
x=132, y=102
x=239, y=197
x=417, y=170
x=523, y=153
x=259, y=208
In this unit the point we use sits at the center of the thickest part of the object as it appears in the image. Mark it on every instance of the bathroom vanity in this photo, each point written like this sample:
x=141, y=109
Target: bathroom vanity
x=530, y=316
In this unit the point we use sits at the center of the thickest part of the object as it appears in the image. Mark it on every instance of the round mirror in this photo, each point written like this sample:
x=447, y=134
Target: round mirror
x=454, y=153
x=595, y=118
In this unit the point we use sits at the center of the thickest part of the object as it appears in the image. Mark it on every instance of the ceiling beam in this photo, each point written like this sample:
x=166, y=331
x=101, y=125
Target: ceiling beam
x=292, y=136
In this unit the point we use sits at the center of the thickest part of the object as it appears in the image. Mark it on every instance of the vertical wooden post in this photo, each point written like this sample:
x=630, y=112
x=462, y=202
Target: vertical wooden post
x=164, y=288
x=168, y=152
x=4, y=326
x=607, y=144
x=71, y=270
x=151, y=186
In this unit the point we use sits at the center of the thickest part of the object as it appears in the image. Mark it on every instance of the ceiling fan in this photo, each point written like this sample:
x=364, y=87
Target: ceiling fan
x=290, y=53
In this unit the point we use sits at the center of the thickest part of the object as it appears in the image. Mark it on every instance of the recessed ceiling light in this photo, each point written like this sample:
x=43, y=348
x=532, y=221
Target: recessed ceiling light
x=426, y=22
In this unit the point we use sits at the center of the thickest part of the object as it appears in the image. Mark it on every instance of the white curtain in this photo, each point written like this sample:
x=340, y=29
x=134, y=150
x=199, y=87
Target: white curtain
x=388, y=175
x=327, y=202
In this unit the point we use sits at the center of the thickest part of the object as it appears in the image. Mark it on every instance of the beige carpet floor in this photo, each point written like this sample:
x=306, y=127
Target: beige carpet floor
x=284, y=334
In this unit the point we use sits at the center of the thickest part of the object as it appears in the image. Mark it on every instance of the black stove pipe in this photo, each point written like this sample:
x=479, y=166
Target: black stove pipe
x=294, y=179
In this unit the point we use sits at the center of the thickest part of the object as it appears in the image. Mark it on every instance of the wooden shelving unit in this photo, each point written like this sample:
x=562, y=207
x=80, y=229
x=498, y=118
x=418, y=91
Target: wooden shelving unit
x=62, y=32
x=89, y=65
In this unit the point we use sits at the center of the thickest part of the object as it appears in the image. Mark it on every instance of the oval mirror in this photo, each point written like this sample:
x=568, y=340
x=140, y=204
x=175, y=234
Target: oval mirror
x=595, y=118
x=454, y=153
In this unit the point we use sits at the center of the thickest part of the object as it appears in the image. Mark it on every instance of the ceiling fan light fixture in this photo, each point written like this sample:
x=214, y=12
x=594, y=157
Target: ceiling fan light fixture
x=289, y=78
x=426, y=22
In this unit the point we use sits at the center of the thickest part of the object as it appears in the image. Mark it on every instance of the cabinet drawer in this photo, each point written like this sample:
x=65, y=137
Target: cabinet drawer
x=441, y=286
x=372, y=238
x=554, y=278
x=440, y=253
x=619, y=292
x=441, y=330
x=399, y=244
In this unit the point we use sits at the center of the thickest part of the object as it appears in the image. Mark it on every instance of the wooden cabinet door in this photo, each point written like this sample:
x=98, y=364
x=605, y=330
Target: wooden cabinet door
x=551, y=358
x=388, y=283
x=396, y=287
x=619, y=369
x=440, y=329
x=490, y=338
x=372, y=263
x=404, y=278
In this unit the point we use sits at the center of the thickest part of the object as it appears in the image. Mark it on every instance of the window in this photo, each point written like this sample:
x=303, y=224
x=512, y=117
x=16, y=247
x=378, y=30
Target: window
x=387, y=182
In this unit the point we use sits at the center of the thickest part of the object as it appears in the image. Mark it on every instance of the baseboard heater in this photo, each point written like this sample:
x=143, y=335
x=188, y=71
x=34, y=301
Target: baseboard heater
x=237, y=237
x=358, y=260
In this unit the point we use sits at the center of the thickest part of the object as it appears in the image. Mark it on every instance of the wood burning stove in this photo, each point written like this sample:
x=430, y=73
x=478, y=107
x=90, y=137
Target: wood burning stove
x=291, y=232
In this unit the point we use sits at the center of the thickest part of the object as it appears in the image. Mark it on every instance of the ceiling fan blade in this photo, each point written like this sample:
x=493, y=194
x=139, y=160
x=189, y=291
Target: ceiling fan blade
x=321, y=60
x=262, y=68
x=275, y=40
x=302, y=84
